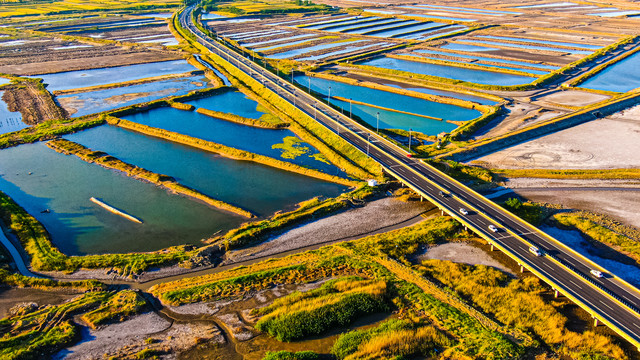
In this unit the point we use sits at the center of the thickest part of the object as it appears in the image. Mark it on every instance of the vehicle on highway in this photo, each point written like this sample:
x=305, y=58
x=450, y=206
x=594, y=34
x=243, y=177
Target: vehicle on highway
x=597, y=273
x=464, y=211
x=493, y=228
x=409, y=155
x=535, y=251
x=443, y=194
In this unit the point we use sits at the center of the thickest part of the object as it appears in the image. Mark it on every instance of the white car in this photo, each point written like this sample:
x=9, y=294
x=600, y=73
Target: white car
x=597, y=273
x=464, y=211
x=535, y=251
x=493, y=228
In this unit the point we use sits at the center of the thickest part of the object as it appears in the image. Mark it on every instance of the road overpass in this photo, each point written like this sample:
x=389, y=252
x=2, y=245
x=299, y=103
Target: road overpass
x=609, y=300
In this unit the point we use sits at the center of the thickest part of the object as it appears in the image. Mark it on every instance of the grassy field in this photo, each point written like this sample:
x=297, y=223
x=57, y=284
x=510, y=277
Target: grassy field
x=35, y=8
x=604, y=174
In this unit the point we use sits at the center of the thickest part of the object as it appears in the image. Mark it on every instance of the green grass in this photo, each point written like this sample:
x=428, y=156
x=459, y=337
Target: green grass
x=570, y=173
x=119, y=307
x=288, y=355
x=336, y=304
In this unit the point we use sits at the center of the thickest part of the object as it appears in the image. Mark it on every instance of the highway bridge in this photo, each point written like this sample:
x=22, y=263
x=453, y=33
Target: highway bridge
x=609, y=299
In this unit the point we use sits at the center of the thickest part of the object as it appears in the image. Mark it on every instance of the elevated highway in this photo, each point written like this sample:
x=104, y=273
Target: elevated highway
x=609, y=299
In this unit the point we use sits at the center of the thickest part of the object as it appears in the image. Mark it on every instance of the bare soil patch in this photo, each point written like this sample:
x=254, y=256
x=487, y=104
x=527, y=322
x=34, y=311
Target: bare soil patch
x=574, y=98
x=607, y=143
x=461, y=253
x=35, y=105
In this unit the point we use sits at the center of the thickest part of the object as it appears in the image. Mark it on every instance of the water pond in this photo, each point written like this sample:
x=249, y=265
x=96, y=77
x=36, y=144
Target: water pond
x=465, y=47
x=528, y=47
x=391, y=119
x=39, y=178
x=256, y=140
x=9, y=121
x=470, y=75
x=293, y=53
x=83, y=78
x=255, y=187
x=92, y=102
x=232, y=102
x=620, y=77
x=548, y=42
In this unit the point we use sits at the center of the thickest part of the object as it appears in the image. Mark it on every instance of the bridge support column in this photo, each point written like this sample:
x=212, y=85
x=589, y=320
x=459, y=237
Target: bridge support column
x=556, y=293
x=441, y=212
x=491, y=246
x=521, y=268
x=595, y=322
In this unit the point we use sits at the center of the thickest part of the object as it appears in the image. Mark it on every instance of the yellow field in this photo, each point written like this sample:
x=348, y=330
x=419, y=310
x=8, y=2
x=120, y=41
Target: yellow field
x=28, y=8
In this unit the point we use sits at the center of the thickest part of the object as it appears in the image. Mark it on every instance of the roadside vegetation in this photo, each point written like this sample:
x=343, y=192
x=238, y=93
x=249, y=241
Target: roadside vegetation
x=605, y=174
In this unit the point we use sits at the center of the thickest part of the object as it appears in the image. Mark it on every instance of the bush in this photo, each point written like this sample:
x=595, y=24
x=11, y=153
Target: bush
x=288, y=355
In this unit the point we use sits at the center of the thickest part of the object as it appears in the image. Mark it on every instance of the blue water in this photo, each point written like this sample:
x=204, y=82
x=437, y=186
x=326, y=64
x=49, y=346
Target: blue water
x=437, y=17
x=616, y=13
x=514, y=62
x=347, y=28
x=108, y=99
x=470, y=75
x=427, y=32
x=296, y=37
x=584, y=46
x=293, y=53
x=387, y=26
x=320, y=24
x=233, y=102
x=342, y=24
x=255, y=187
x=556, y=4
x=620, y=77
x=63, y=184
x=83, y=78
x=261, y=35
x=465, y=47
x=530, y=47
x=283, y=44
x=4, y=81
x=538, y=72
x=437, y=34
x=348, y=49
x=454, y=95
x=9, y=121
x=414, y=28
x=227, y=133
x=393, y=101
x=488, y=11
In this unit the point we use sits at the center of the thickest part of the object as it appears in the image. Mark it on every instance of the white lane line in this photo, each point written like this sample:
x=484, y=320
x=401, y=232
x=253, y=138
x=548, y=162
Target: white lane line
x=579, y=287
x=605, y=304
x=547, y=265
x=636, y=325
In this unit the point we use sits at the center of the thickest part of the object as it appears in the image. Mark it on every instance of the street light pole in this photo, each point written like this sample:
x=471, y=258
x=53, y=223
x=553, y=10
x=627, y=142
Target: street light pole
x=409, y=139
x=377, y=121
x=350, y=105
x=329, y=97
x=309, y=85
x=368, y=141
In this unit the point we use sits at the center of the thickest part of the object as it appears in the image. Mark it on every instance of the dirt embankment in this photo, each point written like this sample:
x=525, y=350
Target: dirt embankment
x=34, y=103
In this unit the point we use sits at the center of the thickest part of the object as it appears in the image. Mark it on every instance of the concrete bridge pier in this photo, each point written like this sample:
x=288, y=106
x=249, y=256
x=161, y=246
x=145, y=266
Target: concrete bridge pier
x=556, y=293
x=521, y=268
x=595, y=322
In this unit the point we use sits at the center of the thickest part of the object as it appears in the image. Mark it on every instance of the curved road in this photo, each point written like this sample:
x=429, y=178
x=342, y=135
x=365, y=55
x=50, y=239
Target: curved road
x=607, y=299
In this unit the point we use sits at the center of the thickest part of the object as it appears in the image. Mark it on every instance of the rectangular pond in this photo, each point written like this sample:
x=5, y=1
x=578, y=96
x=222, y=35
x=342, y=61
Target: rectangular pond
x=84, y=78
x=391, y=101
x=40, y=179
x=9, y=121
x=248, y=138
x=452, y=72
x=277, y=40
x=296, y=52
x=488, y=66
x=514, y=62
x=335, y=24
x=279, y=45
x=528, y=47
x=438, y=17
x=92, y=102
x=258, y=188
x=409, y=29
x=346, y=50
x=622, y=76
x=548, y=42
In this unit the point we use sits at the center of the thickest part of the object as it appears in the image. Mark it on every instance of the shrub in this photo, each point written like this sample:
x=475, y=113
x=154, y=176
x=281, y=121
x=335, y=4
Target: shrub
x=288, y=355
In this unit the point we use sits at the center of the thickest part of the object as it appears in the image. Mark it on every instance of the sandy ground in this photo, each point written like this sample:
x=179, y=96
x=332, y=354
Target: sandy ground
x=620, y=205
x=131, y=335
x=600, y=144
x=10, y=297
x=373, y=216
x=518, y=115
x=461, y=253
x=573, y=98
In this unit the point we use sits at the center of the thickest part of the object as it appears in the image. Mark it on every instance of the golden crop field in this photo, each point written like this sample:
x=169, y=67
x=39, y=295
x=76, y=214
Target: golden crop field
x=11, y=8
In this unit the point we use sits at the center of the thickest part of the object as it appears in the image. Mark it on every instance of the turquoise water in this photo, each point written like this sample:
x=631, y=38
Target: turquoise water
x=63, y=184
x=233, y=102
x=83, y=78
x=257, y=188
x=454, y=95
x=621, y=77
x=471, y=75
x=390, y=119
x=92, y=102
x=9, y=121
x=239, y=136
